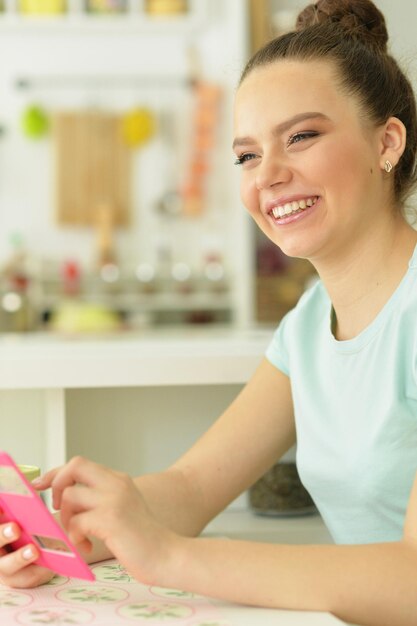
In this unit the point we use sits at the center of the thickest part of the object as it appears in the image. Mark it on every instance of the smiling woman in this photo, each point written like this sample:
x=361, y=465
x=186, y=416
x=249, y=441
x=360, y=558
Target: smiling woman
x=313, y=144
x=326, y=140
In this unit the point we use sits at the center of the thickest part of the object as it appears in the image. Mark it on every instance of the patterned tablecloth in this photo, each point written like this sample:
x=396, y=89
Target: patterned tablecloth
x=116, y=599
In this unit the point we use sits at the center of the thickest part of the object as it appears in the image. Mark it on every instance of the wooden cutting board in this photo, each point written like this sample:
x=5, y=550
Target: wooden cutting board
x=92, y=168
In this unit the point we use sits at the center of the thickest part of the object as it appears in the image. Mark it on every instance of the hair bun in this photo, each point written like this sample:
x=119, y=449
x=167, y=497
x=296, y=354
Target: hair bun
x=360, y=19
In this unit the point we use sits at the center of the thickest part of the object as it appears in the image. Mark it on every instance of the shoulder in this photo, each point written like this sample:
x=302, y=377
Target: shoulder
x=299, y=327
x=314, y=304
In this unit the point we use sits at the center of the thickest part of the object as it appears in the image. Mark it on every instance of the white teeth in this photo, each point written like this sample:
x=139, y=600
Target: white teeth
x=292, y=207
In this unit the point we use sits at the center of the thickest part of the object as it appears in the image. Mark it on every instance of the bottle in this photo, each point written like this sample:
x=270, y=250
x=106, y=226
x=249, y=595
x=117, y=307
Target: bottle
x=108, y=269
x=17, y=313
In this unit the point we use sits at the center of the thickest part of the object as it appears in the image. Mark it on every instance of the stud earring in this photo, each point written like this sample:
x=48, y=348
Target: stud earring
x=388, y=166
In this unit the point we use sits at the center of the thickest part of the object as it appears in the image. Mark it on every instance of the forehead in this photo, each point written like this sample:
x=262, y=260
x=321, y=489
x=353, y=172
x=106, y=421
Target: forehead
x=285, y=88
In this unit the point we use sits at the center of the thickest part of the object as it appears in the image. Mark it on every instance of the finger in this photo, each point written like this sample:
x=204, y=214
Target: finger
x=78, y=470
x=45, y=481
x=13, y=562
x=30, y=575
x=76, y=499
x=8, y=532
x=83, y=545
x=80, y=526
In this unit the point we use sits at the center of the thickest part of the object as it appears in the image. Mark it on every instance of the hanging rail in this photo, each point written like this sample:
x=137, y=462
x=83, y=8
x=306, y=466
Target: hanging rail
x=95, y=82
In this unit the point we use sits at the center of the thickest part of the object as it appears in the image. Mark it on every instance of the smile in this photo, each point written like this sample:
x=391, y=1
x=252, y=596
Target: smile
x=293, y=207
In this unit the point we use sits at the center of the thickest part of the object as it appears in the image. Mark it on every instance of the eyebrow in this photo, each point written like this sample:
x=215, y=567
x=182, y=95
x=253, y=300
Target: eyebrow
x=281, y=128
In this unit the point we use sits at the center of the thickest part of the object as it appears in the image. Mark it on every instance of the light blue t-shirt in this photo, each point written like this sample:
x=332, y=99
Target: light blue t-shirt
x=355, y=405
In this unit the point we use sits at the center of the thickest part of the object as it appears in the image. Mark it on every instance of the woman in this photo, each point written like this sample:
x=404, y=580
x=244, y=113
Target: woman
x=326, y=136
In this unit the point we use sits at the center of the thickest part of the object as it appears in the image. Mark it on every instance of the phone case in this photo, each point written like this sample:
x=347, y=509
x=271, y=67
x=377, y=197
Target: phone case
x=20, y=503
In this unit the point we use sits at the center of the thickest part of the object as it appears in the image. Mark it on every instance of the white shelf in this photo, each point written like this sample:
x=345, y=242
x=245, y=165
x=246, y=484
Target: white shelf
x=195, y=357
x=97, y=25
x=151, y=302
x=76, y=19
x=245, y=525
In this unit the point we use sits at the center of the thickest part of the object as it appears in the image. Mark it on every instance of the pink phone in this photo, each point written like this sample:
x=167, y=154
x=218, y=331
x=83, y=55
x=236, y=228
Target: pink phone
x=20, y=503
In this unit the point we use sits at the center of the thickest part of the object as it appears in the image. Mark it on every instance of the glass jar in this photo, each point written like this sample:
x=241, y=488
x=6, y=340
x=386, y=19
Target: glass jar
x=280, y=493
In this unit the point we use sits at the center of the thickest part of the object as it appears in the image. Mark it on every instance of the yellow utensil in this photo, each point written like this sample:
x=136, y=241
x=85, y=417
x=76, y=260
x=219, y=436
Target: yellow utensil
x=138, y=126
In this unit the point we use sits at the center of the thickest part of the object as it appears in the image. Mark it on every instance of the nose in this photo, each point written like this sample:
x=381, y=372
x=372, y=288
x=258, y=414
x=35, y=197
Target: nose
x=272, y=171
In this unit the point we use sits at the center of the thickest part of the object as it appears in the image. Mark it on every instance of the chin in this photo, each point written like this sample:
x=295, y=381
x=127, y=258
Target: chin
x=294, y=250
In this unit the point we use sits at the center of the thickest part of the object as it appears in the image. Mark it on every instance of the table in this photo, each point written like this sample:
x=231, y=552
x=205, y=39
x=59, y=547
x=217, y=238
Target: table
x=116, y=599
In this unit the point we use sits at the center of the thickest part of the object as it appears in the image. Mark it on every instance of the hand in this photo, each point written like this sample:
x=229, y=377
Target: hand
x=17, y=568
x=96, y=501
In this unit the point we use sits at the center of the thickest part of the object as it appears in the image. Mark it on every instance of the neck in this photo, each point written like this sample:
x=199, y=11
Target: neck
x=363, y=279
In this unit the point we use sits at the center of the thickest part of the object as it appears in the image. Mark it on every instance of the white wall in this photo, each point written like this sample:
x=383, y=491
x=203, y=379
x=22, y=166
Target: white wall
x=23, y=425
x=145, y=429
x=401, y=17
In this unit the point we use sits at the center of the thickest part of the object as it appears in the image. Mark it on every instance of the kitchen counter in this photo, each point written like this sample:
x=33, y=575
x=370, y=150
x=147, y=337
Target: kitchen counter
x=183, y=357
x=247, y=526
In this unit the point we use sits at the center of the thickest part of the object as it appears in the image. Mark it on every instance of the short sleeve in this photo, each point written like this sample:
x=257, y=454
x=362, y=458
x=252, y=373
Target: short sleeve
x=277, y=352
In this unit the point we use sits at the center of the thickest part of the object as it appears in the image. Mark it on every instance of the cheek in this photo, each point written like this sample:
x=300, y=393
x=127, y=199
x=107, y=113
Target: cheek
x=249, y=194
x=343, y=162
x=329, y=166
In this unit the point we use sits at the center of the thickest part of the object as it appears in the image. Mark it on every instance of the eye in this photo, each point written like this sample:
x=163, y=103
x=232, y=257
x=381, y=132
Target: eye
x=301, y=136
x=243, y=158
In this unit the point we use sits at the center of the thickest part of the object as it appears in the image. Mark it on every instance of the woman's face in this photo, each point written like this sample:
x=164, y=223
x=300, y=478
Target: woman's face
x=311, y=175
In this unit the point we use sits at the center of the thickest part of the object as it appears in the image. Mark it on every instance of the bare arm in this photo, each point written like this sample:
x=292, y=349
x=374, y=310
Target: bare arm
x=154, y=536
x=252, y=434
x=371, y=585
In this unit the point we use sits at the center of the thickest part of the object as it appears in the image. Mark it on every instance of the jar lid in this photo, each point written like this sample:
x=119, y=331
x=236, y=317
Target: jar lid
x=30, y=472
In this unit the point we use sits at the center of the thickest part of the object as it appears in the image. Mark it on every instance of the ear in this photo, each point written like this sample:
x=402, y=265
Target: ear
x=392, y=141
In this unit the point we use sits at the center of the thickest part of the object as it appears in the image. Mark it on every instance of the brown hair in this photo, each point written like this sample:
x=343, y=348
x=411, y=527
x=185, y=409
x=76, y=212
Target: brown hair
x=353, y=35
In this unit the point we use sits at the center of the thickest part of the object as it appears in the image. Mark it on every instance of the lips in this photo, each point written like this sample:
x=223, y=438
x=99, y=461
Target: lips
x=279, y=209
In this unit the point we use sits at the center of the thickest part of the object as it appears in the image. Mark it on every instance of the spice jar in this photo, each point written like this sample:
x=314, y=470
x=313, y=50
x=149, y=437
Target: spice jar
x=166, y=7
x=280, y=493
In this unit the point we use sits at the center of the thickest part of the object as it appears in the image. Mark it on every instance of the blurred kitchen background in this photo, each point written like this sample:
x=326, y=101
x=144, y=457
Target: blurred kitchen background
x=119, y=201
